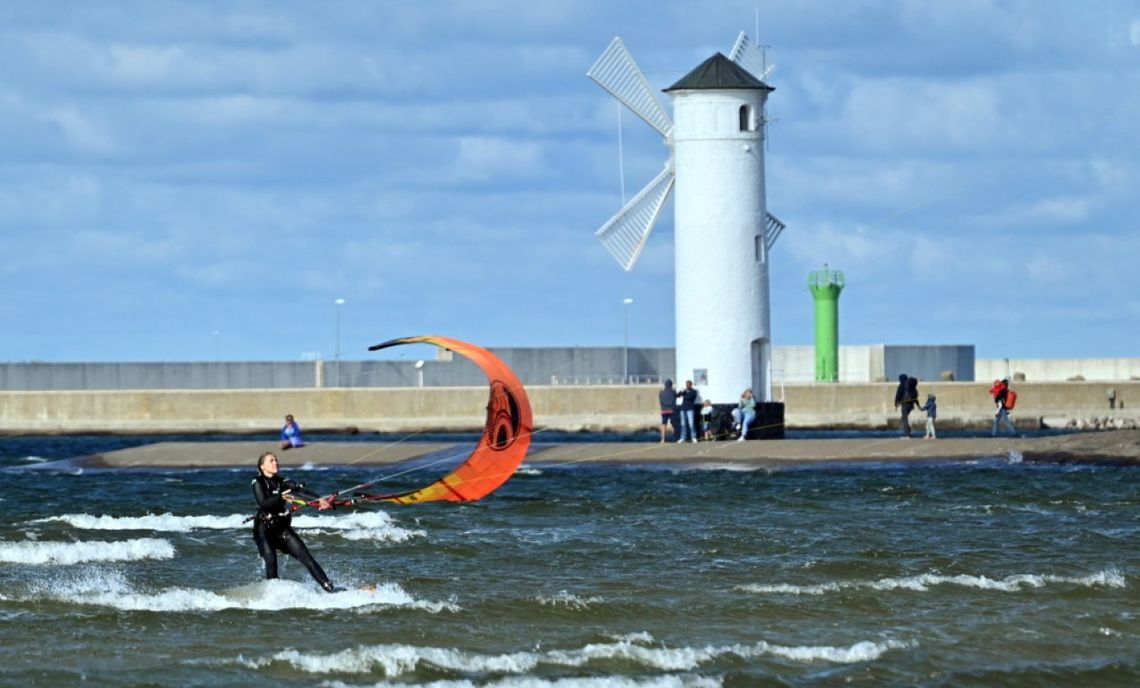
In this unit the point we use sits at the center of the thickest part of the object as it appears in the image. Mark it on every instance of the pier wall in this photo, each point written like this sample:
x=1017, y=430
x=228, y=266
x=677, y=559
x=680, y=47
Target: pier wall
x=580, y=407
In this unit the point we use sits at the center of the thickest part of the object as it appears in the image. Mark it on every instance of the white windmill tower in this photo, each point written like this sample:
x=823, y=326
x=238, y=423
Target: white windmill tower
x=724, y=233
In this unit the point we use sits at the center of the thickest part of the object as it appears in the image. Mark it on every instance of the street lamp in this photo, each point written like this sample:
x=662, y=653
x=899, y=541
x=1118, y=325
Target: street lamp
x=625, y=349
x=339, y=303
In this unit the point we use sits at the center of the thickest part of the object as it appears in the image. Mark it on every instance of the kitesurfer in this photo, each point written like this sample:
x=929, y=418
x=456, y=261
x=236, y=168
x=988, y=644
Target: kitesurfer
x=272, y=527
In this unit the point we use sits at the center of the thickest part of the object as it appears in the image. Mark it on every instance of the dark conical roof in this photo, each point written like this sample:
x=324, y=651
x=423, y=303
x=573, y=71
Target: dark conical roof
x=718, y=72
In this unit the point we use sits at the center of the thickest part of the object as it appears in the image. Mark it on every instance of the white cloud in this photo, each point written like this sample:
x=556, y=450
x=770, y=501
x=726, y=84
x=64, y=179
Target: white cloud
x=82, y=131
x=899, y=114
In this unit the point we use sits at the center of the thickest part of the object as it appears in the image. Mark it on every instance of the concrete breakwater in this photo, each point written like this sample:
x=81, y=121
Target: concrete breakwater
x=573, y=408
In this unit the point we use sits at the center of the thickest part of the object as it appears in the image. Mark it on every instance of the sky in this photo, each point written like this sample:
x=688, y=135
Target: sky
x=196, y=181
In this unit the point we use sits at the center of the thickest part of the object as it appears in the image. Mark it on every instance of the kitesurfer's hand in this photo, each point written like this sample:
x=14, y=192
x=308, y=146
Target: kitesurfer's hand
x=324, y=504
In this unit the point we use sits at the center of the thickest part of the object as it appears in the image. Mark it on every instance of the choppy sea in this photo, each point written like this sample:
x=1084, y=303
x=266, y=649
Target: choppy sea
x=992, y=572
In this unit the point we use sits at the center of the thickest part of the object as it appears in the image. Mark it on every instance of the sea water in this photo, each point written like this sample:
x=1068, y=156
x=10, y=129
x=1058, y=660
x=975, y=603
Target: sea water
x=989, y=572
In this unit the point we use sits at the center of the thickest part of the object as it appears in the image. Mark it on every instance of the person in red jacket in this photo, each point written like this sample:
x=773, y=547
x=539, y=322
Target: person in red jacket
x=1000, y=392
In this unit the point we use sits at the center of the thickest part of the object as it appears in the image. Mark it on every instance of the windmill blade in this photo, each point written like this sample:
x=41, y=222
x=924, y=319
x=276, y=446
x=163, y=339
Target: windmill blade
x=775, y=228
x=626, y=233
x=616, y=72
x=747, y=55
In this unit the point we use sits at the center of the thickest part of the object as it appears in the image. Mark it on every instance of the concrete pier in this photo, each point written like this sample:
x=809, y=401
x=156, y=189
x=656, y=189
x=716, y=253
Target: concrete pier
x=622, y=408
x=1121, y=446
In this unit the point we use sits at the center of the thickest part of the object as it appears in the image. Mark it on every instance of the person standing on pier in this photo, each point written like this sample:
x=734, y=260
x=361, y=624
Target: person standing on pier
x=688, y=398
x=931, y=408
x=1000, y=392
x=667, y=399
x=906, y=398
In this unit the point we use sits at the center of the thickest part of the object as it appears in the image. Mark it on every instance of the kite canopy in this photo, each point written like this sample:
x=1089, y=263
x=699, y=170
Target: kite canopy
x=506, y=434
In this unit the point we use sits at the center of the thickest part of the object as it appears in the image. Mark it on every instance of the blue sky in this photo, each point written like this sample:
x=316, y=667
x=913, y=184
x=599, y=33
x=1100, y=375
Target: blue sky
x=186, y=180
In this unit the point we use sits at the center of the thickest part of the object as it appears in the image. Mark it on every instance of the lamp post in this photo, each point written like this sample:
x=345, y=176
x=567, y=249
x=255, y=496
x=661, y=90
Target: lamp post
x=339, y=303
x=625, y=347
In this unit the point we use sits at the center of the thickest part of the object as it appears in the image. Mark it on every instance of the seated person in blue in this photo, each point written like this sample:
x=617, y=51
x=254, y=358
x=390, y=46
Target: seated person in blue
x=291, y=434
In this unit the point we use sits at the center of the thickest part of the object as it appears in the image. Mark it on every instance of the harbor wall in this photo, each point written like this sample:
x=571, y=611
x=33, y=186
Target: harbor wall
x=554, y=366
x=621, y=408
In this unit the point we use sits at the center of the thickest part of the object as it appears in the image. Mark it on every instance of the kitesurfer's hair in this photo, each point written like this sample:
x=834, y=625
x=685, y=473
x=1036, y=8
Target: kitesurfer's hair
x=261, y=459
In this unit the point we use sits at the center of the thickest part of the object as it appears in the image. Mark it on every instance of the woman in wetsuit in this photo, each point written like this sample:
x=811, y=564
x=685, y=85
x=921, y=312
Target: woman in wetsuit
x=272, y=529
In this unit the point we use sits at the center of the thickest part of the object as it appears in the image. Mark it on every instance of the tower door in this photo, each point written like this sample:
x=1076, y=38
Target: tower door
x=761, y=369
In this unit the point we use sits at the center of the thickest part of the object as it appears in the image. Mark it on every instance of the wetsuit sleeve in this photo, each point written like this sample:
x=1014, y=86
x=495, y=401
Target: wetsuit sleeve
x=266, y=501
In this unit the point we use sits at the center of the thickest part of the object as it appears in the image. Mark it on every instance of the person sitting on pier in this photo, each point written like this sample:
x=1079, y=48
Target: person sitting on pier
x=291, y=434
x=744, y=413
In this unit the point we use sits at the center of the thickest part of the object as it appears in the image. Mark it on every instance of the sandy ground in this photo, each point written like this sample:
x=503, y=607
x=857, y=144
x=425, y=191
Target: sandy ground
x=1119, y=446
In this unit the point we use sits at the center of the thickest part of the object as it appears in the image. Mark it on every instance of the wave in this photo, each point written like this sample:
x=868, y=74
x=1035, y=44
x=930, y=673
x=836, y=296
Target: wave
x=532, y=682
x=111, y=589
x=395, y=660
x=1110, y=578
x=568, y=600
x=84, y=552
x=370, y=525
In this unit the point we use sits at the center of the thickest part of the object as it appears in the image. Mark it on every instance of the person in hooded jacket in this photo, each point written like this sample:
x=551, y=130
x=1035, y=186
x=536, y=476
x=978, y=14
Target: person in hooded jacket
x=272, y=526
x=931, y=408
x=667, y=399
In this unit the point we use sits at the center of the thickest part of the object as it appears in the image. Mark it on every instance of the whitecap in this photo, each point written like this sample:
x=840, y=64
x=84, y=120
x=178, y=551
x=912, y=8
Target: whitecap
x=671, y=681
x=67, y=553
x=568, y=600
x=274, y=595
x=395, y=660
x=1110, y=578
x=358, y=525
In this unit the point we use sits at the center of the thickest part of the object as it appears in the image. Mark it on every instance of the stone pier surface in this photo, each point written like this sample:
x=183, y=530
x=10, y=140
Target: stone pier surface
x=1119, y=447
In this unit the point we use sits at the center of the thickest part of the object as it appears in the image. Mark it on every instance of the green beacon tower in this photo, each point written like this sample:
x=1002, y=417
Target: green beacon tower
x=825, y=286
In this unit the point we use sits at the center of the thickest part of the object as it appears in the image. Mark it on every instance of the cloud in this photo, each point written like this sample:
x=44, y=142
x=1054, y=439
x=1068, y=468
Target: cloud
x=82, y=131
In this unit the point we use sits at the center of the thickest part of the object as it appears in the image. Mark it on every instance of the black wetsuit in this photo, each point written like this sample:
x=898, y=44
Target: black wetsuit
x=273, y=530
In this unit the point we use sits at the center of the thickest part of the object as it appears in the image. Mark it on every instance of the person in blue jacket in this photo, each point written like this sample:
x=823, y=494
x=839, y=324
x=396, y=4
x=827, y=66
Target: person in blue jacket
x=291, y=434
x=931, y=408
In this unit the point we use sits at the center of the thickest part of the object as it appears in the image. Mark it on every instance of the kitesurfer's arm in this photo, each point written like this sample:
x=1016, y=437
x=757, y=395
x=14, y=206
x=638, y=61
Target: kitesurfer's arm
x=266, y=500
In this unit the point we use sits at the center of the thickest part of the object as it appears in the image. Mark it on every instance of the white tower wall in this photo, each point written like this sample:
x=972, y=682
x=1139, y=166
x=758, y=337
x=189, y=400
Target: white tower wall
x=722, y=304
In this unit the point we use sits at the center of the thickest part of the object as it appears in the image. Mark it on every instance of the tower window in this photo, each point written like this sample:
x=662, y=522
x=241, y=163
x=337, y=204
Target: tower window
x=745, y=118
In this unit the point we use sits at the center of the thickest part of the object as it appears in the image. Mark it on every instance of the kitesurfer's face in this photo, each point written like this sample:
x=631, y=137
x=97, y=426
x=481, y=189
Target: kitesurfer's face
x=268, y=466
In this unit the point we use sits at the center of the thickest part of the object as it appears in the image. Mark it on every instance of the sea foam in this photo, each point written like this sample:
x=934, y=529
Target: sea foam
x=358, y=525
x=395, y=660
x=41, y=552
x=111, y=589
x=671, y=681
x=1110, y=578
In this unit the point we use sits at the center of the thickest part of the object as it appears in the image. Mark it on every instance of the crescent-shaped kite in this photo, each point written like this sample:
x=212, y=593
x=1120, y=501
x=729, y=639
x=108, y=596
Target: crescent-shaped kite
x=501, y=448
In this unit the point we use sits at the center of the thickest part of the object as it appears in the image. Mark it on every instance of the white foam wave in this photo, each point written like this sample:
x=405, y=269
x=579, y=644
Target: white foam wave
x=1110, y=578
x=84, y=552
x=395, y=660
x=527, y=469
x=533, y=682
x=568, y=600
x=110, y=589
x=358, y=525
x=158, y=522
